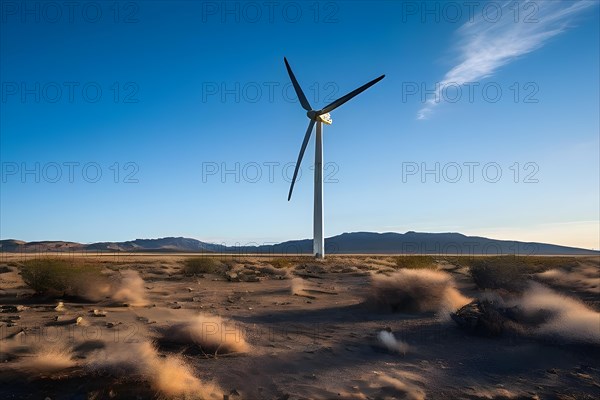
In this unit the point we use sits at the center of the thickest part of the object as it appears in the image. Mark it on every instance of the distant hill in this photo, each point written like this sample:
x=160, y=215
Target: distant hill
x=420, y=243
x=347, y=243
x=168, y=244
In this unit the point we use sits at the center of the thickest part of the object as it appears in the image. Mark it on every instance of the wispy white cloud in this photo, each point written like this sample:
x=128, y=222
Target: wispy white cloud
x=486, y=45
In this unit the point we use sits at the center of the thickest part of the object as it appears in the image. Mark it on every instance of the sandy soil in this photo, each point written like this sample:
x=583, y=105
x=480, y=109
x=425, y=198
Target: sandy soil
x=300, y=331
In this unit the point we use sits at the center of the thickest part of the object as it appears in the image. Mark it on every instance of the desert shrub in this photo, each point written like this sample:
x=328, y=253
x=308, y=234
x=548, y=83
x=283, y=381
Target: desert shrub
x=280, y=262
x=202, y=265
x=60, y=276
x=484, y=318
x=460, y=261
x=305, y=259
x=541, y=264
x=415, y=262
x=510, y=272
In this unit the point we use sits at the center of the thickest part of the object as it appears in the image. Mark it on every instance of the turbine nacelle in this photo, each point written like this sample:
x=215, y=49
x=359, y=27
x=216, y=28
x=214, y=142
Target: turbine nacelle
x=315, y=116
x=325, y=118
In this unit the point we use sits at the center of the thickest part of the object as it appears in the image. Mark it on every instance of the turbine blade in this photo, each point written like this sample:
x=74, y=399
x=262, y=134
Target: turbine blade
x=302, y=149
x=305, y=104
x=343, y=99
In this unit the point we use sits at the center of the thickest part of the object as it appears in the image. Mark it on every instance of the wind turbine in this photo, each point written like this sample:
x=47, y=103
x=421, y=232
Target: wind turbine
x=320, y=117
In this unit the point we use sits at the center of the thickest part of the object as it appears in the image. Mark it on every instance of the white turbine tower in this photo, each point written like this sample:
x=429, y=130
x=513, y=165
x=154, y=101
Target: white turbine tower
x=320, y=117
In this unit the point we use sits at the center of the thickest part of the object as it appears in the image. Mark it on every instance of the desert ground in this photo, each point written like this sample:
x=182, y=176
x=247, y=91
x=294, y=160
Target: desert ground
x=159, y=326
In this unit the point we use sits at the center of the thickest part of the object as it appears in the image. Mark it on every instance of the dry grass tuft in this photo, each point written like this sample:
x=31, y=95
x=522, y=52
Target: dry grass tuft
x=563, y=316
x=418, y=290
x=130, y=289
x=211, y=334
x=46, y=358
x=169, y=375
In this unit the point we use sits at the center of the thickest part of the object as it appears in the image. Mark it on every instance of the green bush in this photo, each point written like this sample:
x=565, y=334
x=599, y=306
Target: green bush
x=59, y=276
x=202, y=265
x=415, y=262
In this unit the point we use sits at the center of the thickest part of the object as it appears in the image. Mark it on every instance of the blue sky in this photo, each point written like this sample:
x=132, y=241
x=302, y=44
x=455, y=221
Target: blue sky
x=148, y=119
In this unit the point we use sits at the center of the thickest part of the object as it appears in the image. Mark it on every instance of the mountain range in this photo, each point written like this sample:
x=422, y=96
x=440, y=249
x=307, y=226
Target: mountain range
x=347, y=243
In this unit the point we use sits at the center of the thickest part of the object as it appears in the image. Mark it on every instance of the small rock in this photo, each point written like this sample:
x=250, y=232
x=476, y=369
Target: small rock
x=18, y=335
x=60, y=306
x=98, y=313
x=233, y=277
